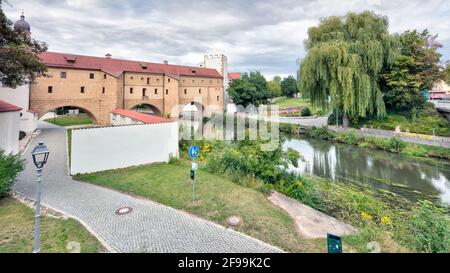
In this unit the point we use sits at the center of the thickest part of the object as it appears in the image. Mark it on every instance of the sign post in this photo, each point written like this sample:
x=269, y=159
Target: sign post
x=193, y=153
x=334, y=243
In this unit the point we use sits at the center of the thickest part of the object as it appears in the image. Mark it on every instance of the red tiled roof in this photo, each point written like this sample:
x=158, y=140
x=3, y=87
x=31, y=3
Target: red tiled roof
x=7, y=107
x=234, y=75
x=117, y=66
x=146, y=118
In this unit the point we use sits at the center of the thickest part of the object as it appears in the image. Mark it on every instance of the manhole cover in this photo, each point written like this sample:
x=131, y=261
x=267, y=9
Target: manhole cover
x=123, y=211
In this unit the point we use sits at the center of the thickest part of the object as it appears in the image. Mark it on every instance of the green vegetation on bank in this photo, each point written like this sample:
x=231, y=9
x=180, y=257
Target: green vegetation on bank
x=17, y=227
x=71, y=120
x=426, y=121
x=394, y=145
x=390, y=220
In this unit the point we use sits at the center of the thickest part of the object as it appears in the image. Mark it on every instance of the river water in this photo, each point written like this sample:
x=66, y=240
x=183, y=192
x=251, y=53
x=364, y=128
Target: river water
x=405, y=176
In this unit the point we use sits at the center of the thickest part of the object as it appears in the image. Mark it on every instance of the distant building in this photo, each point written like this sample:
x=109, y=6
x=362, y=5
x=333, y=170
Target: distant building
x=440, y=91
x=220, y=63
x=234, y=76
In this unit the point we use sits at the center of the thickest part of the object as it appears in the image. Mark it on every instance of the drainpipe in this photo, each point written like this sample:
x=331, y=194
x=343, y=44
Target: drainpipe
x=164, y=95
x=123, y=90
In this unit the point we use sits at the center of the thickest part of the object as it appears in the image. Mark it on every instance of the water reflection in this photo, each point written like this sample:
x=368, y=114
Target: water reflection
x=391, y=172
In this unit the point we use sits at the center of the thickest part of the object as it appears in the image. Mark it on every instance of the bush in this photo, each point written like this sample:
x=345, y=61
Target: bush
x=396, y=144
x=306, y=112
x=320, y=133
x=348, y=138
x=10, y=166
x=426, y=229
x=300, y=189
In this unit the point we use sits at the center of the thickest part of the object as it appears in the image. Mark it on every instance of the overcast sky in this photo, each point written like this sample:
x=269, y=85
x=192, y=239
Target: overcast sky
x=254, y=35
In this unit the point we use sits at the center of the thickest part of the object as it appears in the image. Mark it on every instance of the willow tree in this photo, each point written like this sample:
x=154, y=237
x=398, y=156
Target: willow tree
x=344, y=62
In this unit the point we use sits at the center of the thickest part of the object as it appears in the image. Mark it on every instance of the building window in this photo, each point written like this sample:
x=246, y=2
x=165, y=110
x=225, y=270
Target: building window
x=185, y=91
x=82, y=89
x=193, y=81
x=142, y=78
x=63, y=75
x=156, y=91
x=217, y=98
x=131, y=90
x=167, y=91
x=148, y=80
x=157, y=79
x=168, y=79
x=104, y=76
x=50, y=89
x=200, y=91
x=202, y=80
x=103, y=90
x=210, y=81
x=144, y=90
x=91, y=75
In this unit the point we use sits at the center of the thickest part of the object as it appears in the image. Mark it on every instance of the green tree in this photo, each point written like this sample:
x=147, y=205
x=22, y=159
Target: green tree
x=404, y=93
x=18, y=54
x=422, y=47
x=274, y=87
x=249, y=89
x=447, y=73
x=345, y=58
x=289, y=86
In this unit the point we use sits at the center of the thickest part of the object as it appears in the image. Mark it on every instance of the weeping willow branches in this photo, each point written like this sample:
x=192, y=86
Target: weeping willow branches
x=344, y=61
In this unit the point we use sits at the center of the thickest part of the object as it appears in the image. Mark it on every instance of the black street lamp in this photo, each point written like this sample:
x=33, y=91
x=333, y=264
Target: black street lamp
x=40, y=155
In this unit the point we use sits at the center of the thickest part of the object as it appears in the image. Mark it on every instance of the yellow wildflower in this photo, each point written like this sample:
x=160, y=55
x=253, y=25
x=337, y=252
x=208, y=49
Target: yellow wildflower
x=386, y=220
x=366, y=216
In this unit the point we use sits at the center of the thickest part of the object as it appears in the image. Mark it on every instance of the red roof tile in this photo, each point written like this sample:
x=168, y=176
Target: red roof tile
x=146, y=118
x=7, y=107
x=117, y=66
x=234, y=75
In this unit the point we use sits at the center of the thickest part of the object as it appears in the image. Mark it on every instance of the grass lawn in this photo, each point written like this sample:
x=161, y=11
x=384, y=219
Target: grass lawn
x=66, y=120
x=217, y=199
x=17, y=231
x=297, y=102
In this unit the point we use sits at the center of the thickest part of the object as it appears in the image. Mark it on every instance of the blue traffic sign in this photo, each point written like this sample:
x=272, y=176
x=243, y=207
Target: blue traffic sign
x=194, y=151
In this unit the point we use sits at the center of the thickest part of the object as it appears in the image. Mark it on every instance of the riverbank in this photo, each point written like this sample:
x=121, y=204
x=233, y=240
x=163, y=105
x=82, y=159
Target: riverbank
x=393, y=145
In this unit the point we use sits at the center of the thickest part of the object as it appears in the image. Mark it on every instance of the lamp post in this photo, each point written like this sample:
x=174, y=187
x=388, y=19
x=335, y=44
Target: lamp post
x=40, y=155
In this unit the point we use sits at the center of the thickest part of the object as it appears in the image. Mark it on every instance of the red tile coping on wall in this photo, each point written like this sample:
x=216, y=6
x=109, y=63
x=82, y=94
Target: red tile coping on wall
x=145, y=118
x=116, y=67
x=7, y=107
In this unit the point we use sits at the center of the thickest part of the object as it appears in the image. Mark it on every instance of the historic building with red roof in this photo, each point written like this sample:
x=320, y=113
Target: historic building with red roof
x=98, y=85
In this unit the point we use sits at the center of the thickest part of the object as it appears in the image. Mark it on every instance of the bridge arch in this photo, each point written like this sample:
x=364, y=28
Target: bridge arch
x=91, y=114
x=146, y=108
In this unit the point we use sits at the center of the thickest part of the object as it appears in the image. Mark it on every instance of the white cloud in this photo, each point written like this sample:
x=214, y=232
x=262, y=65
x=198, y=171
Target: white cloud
x=255, y=35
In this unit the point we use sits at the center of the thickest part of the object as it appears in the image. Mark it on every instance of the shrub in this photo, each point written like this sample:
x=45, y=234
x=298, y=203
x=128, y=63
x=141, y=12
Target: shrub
x=300, y=189
x=306, y=112
x=10, y=166
x=396, y=144
x=426, y=229
x=348, y=137
x=320, y=133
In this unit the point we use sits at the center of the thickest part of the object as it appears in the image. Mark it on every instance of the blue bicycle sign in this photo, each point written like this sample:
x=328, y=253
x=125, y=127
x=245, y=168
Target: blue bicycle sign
x=194, y=151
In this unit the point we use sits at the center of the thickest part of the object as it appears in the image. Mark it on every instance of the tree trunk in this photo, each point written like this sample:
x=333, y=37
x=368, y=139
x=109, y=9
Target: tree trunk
x=345, y=120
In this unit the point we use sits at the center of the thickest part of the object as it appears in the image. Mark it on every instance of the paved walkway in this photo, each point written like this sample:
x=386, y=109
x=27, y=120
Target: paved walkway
x=151, y=227
x=311, y=223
